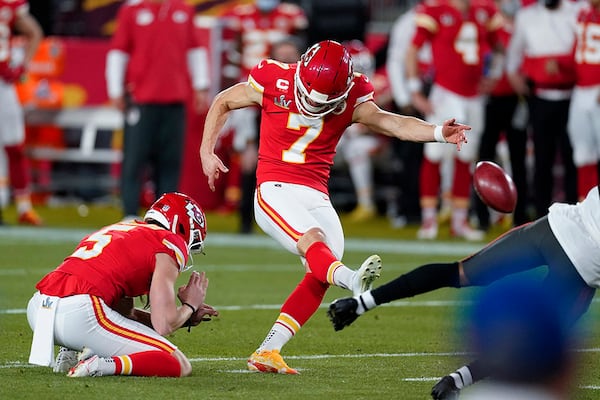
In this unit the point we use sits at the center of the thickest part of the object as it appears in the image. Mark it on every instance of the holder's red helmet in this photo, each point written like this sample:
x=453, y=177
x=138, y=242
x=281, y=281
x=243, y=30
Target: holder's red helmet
x=180, y=214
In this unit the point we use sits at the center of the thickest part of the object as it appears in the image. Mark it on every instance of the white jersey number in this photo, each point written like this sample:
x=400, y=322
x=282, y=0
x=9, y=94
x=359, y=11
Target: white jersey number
x=588, y=44
x=98, y=241
x=467, y=43
x=297, y=152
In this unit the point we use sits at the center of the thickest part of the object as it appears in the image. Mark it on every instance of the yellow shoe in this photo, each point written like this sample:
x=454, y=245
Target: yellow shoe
x=362, y=213
x=30, y=217
x=269, y=361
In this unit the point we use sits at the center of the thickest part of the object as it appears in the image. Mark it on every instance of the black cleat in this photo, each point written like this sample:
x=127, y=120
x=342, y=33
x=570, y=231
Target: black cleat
x=445, y=389
x=342, y=312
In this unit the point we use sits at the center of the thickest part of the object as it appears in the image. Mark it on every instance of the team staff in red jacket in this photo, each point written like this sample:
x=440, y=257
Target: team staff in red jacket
x=153, y=57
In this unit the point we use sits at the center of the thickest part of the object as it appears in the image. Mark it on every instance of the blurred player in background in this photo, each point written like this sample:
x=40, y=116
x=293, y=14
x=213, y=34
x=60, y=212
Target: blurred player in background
x=250, y=30
x=584, y=112
x=15, y=17
x=460, y=32
x=306, y=107
x=154, y=56
x=87, y=303
x=411, y=154
x=566, y=240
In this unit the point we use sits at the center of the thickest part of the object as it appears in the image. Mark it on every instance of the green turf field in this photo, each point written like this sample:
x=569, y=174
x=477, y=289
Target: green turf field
x=393, y=352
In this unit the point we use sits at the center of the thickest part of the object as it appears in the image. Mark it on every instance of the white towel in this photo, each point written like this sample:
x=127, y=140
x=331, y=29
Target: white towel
x=42, y=345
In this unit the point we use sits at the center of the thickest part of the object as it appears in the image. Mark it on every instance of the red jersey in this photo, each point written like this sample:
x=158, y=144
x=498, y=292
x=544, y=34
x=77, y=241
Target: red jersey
x=157, y=37
x=255, y=31
x=115, y=262
x=587, y=52
x=459, y=41
x=9, y=11
x=293, y=148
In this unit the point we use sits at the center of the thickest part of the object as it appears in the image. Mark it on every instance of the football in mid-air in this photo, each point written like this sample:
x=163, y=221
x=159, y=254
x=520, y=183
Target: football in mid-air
x=495, y=187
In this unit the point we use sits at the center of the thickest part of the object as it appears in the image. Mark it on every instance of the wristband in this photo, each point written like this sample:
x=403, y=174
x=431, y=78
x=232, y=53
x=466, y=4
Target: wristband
x=438, y=135
x=414, y=85
x=190, y=306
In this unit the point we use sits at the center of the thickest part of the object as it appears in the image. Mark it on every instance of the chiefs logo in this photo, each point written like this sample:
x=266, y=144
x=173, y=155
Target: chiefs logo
x=195, y=214
x=310, y=54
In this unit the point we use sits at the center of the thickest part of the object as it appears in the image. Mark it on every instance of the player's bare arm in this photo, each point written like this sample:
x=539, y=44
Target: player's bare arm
x=408, y=128
x=29, y=27
x=237, y=96
x=166, y=316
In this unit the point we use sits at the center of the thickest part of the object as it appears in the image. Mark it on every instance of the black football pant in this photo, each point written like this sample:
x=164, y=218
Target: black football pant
x=153, y=141
x=499, y=113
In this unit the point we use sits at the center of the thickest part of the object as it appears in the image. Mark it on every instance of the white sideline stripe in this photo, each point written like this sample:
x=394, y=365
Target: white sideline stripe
x=398, y=303
x=423, y=379
x=432, y=303
x=62, y=235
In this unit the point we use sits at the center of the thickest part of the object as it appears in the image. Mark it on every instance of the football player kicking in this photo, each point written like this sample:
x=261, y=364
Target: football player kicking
x=305, y=108
x=86, y=304
x=567, y=241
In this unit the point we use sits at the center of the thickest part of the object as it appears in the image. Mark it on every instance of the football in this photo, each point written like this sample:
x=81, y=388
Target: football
x=495, y=187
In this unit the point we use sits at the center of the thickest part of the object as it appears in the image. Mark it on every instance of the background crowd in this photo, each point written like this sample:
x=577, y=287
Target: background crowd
x=529, y=90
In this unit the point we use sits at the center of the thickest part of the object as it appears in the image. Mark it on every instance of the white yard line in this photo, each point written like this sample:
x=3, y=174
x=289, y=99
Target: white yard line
x=62, y=235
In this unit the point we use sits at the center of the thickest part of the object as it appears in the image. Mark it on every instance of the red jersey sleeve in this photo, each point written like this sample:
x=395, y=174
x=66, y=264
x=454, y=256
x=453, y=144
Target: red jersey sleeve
x=121, y=38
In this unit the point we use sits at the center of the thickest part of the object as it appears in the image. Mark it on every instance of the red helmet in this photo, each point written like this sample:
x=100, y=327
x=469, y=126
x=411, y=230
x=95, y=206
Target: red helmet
x=180, y=214
x=362, y=58
x=323, y=79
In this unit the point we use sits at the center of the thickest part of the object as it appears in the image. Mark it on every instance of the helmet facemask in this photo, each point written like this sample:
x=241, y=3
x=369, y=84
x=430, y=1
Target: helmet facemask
x=315, y=104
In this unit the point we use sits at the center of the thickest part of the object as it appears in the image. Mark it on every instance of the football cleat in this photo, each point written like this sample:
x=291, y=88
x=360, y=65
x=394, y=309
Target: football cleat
x=342, y=312
x=88, y=365
x=30, y=217
x=65, y=360
x=445, y=389
x=468, y=233
x=362, y=213
x=366, y=274
x=269, y=361
x=428, y=230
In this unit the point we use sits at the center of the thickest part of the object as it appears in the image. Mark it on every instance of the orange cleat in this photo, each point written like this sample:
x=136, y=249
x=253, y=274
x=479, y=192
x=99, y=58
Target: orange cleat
x=269, y=361
x=30, y=217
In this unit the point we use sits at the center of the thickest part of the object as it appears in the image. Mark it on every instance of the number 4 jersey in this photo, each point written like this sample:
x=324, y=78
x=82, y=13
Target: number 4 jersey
x=459, y=41
x=294, y=148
